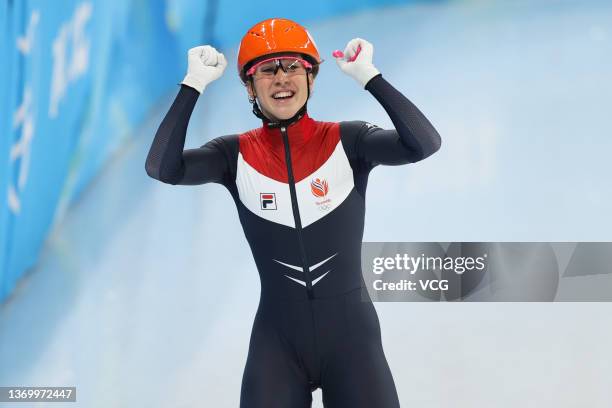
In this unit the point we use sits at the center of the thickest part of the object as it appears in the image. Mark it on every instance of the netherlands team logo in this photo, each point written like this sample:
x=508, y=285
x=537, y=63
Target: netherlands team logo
x=319, y=187
x=267, y=201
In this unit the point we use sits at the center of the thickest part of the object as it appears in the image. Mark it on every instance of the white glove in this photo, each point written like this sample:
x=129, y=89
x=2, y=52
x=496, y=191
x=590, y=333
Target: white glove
x=205, y=64
x=362, y=69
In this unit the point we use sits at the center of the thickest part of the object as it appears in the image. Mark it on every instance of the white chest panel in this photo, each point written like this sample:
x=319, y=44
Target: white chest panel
x=318, y=194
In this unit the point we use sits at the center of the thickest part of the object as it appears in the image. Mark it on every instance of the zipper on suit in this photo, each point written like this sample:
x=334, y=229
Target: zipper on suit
x=296, y=213
x=298, y=228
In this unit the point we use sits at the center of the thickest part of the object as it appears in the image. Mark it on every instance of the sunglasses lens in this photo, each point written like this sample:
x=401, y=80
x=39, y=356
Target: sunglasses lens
x=289, y=66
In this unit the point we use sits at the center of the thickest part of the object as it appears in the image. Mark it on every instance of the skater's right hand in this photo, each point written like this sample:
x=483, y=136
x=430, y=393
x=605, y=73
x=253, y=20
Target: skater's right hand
x=205, y=64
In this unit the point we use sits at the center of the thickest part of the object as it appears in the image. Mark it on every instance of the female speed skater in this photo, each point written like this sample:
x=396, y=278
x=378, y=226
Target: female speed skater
x=299, y=186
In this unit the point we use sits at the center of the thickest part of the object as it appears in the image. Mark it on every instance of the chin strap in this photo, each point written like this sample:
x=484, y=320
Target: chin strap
x=281, y=123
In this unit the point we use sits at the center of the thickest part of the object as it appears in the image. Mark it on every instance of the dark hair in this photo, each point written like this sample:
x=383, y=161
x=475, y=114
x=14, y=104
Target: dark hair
x=314, y=70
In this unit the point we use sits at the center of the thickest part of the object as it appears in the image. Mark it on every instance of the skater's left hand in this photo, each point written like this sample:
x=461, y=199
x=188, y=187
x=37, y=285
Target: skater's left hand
x=361, y=68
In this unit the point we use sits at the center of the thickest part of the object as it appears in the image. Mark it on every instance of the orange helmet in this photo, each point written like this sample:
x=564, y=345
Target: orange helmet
x=275, y=35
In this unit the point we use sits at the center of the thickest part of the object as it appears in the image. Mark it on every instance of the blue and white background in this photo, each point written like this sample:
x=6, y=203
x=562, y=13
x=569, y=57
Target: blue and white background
x=143, y=294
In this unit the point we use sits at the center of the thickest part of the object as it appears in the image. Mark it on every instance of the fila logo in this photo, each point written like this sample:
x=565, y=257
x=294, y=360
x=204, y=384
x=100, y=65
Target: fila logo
x=319, y=187
x=267, y=201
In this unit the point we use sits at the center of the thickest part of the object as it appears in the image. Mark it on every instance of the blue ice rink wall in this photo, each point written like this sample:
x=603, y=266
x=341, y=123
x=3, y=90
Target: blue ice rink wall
x=77, y=77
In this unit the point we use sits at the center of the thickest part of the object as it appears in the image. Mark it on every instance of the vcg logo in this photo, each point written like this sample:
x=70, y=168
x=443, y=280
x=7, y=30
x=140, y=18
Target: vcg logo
x=320, y=188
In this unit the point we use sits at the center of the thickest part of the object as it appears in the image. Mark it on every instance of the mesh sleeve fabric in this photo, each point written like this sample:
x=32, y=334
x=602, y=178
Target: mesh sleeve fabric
x=413, y=139
x=169, y=163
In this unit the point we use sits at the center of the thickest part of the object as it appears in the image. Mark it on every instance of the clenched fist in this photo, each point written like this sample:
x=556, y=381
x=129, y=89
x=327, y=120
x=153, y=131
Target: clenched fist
x=360, y=68
x=205, y=64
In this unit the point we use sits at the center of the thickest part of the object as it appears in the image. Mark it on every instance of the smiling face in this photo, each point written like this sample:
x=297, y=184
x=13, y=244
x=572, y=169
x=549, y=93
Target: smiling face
x=280, y=94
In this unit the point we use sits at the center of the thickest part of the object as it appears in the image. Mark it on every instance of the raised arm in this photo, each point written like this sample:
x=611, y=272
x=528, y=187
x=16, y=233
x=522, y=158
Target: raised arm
x=167, y=161
x=413, y=139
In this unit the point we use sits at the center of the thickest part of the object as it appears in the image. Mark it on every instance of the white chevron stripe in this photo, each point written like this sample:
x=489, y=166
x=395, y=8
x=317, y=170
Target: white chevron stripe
x=314, y=282
x=300, y=269
x=315, y=266
x=297, y=268
x=297, y=280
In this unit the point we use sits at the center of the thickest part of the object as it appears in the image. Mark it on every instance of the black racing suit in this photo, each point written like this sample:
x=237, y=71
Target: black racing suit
x=300, y=194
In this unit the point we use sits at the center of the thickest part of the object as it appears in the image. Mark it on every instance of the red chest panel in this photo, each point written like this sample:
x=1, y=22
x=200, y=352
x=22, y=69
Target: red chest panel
x=311, y=144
